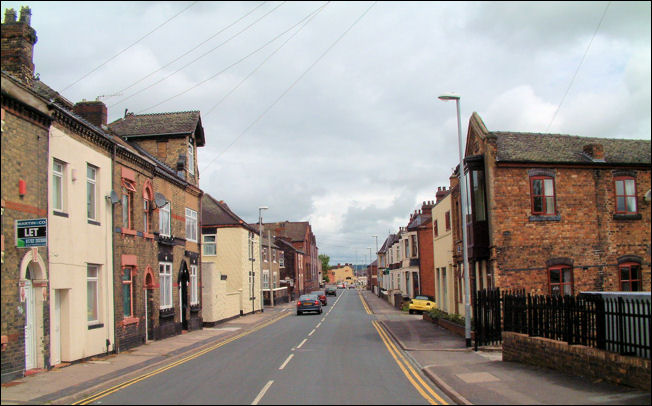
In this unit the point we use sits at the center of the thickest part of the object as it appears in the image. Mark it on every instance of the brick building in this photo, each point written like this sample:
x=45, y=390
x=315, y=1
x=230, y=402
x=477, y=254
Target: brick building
x=554, y=213
x=421, y=223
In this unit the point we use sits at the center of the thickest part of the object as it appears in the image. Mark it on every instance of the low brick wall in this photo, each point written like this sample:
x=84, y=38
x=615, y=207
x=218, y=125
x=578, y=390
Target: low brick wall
x=577, y=359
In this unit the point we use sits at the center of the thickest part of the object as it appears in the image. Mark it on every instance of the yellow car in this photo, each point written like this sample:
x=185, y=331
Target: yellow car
x=421, y=304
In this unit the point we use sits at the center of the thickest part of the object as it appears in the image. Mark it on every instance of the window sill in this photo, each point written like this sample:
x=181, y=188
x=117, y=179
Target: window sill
x=128, y=231
x=130, y=320
x=59, y=213
x=95, y=223
x=637, y=216
x=94, y=326
x=148, y=235
x=166, y=313
x=556, y=217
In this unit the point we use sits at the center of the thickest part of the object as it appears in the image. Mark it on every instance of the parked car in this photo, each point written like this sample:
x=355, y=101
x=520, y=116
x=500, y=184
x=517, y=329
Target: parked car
x=331, y=291
x=340, y=286
x=308, y=303
x=351, y=286
x=420, y=304
x=322, y=297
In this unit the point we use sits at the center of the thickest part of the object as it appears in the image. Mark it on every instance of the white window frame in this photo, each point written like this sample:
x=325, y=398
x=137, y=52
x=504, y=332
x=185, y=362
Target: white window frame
x=191, y=225
x=194, y=297
x=191, y=157
x=165, y=228
x=93, y=280
x=265, y=278
x=91, y=183
x=60, y=203
x=209, y=244
x=281, y=259
x=165, y=285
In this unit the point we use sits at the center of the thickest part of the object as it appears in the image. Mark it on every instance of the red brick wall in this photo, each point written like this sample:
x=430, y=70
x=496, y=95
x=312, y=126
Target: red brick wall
x=426, y=260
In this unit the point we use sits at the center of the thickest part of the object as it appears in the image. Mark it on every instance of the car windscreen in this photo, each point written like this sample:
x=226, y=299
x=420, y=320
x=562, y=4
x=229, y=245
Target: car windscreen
x=421, y=298
x=308, y=297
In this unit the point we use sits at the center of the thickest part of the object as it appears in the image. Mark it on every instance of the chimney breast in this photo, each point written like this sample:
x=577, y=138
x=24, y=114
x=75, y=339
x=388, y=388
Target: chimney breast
x=18, y=40
x=92, y=111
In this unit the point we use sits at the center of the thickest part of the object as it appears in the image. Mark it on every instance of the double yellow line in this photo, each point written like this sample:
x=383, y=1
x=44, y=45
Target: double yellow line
x=364, y=304
x=130, y=382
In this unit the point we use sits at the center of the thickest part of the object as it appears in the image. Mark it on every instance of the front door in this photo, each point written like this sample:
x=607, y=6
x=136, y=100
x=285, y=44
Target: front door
x=184, y=304
x=150, y=314
x=56, y=328
x=30, y=344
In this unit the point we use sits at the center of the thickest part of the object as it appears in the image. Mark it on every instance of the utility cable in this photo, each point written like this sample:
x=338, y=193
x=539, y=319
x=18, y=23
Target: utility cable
x=230, y=66
x=291, y=86
x=265, y=60
x=200, y=56
x=578, y=67
x=189, y=51
x=119, y=53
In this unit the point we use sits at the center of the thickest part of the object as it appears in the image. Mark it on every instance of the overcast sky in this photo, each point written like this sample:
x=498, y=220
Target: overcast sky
x=328, y=112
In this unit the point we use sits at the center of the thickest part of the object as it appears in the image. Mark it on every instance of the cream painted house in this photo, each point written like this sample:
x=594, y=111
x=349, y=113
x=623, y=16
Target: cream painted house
x=443, y=250
x=80, y=240
x=341, y=274
x=230, y=258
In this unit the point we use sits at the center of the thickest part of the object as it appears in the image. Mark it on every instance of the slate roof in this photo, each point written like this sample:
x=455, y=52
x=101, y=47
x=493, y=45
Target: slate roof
x=218, y=213
x=559, y=148
x=158, y=124
x=391, y=239
x=418, y=221
x=295, y=230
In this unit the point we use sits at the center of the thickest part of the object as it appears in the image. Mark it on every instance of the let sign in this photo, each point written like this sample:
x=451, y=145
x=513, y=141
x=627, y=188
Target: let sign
x=31, y=233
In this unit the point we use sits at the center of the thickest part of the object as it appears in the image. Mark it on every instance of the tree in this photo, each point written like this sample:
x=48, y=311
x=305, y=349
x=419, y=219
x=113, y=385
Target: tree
x=324, y=267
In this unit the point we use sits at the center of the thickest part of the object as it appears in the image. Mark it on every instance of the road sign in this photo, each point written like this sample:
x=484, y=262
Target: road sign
x=31, y=233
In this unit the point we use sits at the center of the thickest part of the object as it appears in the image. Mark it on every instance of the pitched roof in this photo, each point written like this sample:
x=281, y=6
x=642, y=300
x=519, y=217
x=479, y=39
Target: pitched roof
x=160, y=124
x=559, y=148
x=218, y=213
x=418, y=221
x=295, y=230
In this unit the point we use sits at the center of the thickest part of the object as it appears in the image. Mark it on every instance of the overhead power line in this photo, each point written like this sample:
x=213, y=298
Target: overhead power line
x=200, y=56
x=121, y=52
x=232, y=65
x=192, y=49
x=291, y=86
x=578, y=67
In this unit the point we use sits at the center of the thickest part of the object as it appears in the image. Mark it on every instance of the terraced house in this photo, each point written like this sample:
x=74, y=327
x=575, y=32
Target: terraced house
x=555, y=214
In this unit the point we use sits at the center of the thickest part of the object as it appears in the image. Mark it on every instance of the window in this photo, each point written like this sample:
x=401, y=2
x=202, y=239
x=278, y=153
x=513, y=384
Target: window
x=194, y=297
x=58, y=169
x=560, y=280
x=414, y=246
x=191, y=157
x=265, y=279
x=436, y=227
x=128, y=191
x=92, y=294
x=191, y=225
x=91, y=192
x=630, y=277
x=626, y=195
x=447, y=218
x=251, y=246
x=281, y=259
x=477, y=179
x=406, y=246
x=265, y=254
x=147, y=214
x=274, y=255
x=165, y=284
x=209, y=244
x=164, y=220
x=543, y=195
x=127, y=292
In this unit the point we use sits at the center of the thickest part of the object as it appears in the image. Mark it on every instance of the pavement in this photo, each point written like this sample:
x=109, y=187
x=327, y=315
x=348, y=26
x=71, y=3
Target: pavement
x=467, y=377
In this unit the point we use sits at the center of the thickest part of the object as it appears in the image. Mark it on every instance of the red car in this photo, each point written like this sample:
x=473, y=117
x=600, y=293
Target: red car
x=322, y=297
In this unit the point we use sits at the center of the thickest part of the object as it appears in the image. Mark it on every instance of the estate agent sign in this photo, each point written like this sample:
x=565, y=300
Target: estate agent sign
x=31, y=233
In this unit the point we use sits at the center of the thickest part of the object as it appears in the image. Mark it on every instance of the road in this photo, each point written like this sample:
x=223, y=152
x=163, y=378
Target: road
x=339, y=357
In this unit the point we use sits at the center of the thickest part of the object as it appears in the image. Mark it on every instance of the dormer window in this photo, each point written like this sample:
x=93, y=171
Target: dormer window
x=191, y=157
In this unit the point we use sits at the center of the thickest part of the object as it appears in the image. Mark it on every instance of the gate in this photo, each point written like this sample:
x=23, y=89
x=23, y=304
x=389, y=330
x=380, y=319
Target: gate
x=487, y=317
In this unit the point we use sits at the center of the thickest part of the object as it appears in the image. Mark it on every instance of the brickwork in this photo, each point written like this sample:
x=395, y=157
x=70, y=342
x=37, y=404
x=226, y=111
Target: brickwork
x=24, y=134
x=577, y=359
x=426, y=255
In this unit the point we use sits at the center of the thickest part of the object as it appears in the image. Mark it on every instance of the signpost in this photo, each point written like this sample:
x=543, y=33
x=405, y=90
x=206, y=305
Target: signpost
x=31, y=233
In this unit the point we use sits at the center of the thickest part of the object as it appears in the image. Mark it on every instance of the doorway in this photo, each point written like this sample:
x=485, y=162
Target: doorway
x=30, y=330
x=184, y=278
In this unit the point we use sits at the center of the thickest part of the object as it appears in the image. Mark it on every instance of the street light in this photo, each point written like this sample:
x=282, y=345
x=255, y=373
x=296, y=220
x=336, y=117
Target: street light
x=377, y=267
x=467, y=288
x=260, y=254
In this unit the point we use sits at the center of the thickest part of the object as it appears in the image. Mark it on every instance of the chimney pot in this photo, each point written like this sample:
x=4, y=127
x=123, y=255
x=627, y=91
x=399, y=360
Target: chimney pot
x=10, y=15
x=25, y=15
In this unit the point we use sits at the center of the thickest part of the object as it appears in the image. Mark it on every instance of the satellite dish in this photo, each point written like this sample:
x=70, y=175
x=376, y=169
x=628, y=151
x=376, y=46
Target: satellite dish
x=160, y=200
x=114, y=197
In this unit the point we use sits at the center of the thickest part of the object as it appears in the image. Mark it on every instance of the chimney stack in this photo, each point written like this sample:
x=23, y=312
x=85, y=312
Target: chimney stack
x=441, y=193
x=595, y=151
x=18, y=40
x=92, y=111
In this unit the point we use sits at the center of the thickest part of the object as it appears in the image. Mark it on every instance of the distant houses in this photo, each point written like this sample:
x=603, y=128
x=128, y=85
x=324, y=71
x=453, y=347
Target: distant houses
x=548, y=214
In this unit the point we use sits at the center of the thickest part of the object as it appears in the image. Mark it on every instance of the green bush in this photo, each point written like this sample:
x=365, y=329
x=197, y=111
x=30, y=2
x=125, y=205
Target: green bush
x=439, y=314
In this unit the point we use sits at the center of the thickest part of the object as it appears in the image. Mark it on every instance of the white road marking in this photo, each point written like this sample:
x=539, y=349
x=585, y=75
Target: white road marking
x=318, y=324
x=286, y=361
x=262, y=393
x=313, y=330
x=302, y=343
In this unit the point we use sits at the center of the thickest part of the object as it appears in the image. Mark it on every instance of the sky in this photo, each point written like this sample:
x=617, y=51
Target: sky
x=328, y=112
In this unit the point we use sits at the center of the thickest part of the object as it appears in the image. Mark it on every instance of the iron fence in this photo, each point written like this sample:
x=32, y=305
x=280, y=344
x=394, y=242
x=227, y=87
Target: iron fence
x=616, y=324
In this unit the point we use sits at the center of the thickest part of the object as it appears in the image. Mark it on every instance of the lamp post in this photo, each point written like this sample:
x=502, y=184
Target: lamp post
x=462, y=176
x=260, y=254
x=377, y=267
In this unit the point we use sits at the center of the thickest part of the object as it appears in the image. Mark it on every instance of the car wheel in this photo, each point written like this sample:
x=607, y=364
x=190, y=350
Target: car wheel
x=298, y=313
x=410, y=311
x=320, y=311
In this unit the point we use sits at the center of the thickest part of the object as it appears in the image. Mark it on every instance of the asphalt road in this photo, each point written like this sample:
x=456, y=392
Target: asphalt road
x=338, y=357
